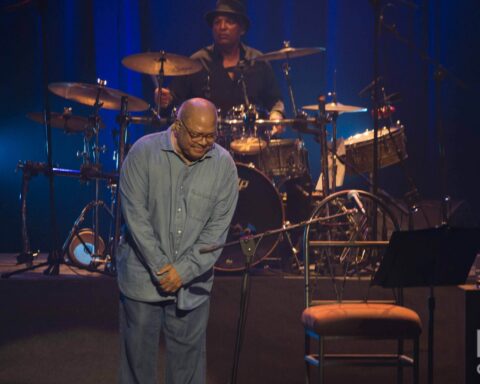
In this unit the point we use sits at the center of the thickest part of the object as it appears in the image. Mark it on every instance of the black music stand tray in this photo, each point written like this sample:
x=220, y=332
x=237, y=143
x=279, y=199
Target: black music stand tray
x=427, y=258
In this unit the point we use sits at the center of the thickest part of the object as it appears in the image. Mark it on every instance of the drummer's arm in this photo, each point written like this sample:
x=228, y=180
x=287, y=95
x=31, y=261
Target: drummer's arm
x=277, y=112
x=273, y=99
x=176, y=93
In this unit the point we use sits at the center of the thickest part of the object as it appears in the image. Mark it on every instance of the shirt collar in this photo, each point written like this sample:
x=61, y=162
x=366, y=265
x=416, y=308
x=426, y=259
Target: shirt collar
x=218, y=56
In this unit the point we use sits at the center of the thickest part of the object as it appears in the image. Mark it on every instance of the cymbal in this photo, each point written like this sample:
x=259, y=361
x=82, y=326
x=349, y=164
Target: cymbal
x=289, y=53
x=69, y=123
x=174, y=65
x=336, y=107
x=87, y=93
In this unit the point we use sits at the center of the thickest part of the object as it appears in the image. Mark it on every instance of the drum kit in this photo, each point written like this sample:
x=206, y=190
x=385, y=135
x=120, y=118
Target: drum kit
x=268, y=167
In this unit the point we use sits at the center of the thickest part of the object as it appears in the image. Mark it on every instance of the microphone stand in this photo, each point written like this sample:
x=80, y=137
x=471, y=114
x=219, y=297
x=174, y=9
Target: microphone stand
x=249, y=247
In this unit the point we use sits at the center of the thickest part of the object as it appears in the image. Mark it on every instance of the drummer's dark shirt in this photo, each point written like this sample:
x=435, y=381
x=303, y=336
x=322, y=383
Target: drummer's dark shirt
x=213, y=82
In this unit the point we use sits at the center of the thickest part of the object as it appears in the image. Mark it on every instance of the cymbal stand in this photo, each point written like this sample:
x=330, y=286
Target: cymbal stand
x=286, y=68
x=250, y=115
x=96, y=156
x=160, y=78
x=124, y=121
x=54, y=258
x=321, y=123
x=333, y=120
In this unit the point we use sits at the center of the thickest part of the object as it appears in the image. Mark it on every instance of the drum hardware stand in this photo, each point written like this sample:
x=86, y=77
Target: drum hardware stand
x=293, y=248
x=54, y=258
x=249, y=247
x=333, y=120
x=412, y=196
x=26, y=256
x=250, y=115
x=74, y=233
x=439, y=76
x=321, y=123
x=159, y=80
x=286, y=71
x=97, y=150
x=250, y=112
x=33, y=169
x=286, y=68
x=124, y=121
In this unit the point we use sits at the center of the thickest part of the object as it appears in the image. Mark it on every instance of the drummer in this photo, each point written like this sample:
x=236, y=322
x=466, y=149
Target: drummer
x=219, y=79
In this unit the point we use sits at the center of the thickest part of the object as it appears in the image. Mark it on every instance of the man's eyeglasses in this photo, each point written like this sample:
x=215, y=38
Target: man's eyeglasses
x=195, y=136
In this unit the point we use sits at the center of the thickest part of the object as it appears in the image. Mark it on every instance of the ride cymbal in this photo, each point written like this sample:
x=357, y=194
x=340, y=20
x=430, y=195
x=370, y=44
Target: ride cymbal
x=149, y=63
x=69, y=123
x=289, y=53
x=87, y=94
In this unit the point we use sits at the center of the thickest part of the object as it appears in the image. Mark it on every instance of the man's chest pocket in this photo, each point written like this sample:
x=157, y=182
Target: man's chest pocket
x=199, y=205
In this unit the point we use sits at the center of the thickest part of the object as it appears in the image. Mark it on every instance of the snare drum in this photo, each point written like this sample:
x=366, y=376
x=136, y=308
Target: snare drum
x=259, y=209
x=284, y=158
x=359, y=149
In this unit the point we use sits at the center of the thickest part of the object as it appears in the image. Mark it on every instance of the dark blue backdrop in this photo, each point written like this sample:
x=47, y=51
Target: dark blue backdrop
x=88, y=39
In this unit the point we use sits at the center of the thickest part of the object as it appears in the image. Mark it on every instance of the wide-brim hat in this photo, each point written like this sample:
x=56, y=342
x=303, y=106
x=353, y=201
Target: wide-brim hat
x=229, y=7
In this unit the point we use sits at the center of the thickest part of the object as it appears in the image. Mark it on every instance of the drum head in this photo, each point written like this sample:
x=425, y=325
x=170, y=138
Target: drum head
x=82, y=247
x=259, y=209
x=249, y=145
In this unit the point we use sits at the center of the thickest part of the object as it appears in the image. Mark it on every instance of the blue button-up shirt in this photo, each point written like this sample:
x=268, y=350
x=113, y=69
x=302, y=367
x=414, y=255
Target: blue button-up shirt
x=173, y=209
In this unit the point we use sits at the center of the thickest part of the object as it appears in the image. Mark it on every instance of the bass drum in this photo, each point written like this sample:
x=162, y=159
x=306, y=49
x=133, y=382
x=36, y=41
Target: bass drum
x=259, y=209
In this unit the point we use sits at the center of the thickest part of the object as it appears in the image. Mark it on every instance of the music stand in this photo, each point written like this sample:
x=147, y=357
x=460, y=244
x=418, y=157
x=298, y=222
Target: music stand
x=427, y=258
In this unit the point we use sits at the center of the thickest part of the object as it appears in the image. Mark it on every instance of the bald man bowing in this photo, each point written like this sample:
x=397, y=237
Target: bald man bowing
x=179, y=191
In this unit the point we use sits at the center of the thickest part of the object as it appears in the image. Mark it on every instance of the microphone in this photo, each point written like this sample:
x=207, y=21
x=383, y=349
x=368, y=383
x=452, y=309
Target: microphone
x=353, y=194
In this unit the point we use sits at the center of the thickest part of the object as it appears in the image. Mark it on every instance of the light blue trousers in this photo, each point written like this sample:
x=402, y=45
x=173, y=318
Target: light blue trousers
x=185, y=335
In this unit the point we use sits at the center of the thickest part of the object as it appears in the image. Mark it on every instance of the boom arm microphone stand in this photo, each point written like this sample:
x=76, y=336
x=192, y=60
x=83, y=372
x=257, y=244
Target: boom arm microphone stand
x=249, y=248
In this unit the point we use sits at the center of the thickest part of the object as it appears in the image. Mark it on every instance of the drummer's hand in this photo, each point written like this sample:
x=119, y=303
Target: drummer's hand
x=276, y=129
x=165, y=97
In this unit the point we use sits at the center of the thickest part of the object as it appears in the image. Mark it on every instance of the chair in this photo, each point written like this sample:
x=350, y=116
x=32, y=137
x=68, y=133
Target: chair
x=346, y=245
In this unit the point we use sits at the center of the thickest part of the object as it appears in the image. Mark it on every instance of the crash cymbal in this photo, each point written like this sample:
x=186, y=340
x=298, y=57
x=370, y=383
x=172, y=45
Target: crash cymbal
x=289, y=53
x=149, y=64
x=69, y=123
x=336, y=107
x=87, y=93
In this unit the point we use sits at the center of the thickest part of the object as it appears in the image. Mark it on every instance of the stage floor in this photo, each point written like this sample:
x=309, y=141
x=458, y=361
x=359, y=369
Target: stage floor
x=59, y=329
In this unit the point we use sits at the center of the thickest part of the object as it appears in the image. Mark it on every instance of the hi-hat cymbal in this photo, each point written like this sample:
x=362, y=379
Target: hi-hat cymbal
x=336, y=107
x=289, y=53
x=149, y=63
x=87, y=93
x=69, y=123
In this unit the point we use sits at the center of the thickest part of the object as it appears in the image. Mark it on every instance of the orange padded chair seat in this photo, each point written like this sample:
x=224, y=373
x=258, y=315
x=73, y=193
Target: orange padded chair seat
x=363, y=320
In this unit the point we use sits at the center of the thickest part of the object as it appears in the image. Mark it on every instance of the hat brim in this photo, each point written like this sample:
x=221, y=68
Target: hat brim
x=210, y=16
